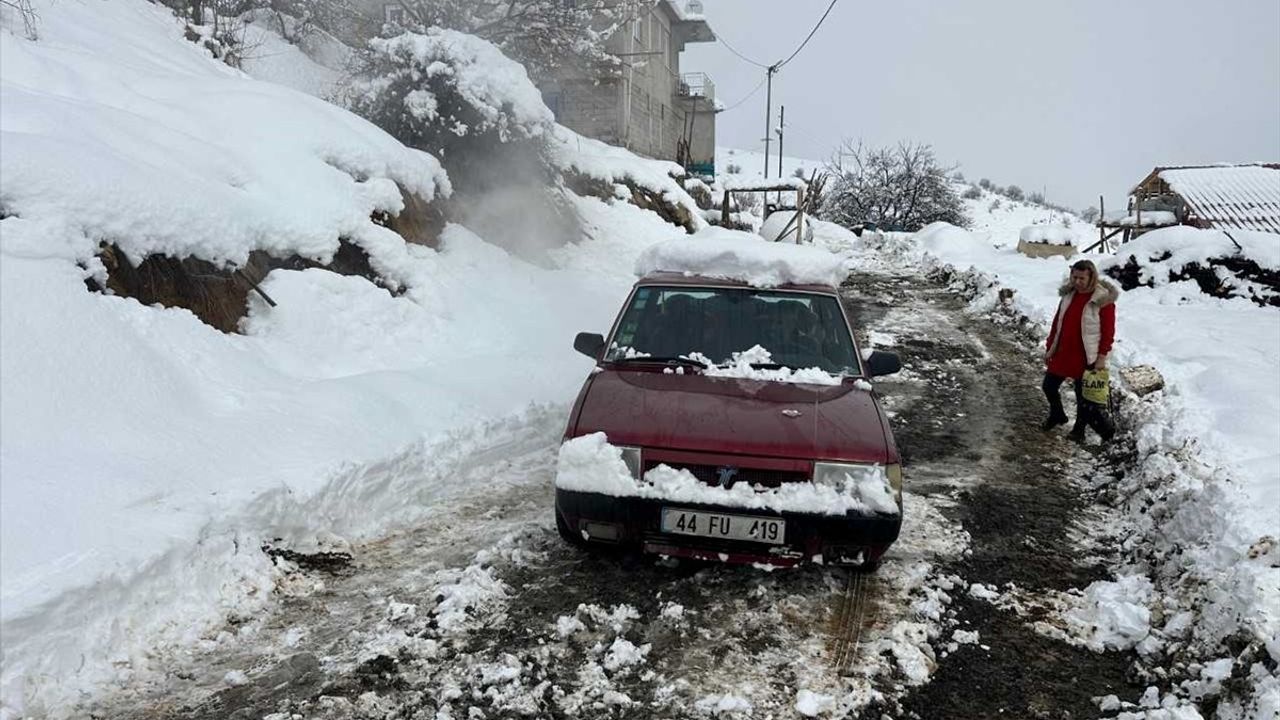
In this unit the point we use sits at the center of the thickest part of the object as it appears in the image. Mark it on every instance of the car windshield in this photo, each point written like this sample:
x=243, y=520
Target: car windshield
x=800, y=330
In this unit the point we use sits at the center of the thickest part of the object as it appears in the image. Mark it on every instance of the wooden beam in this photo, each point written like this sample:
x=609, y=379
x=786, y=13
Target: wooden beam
x=1104, y=238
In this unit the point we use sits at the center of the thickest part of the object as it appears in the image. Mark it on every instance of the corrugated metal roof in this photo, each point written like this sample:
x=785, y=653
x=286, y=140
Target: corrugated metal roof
x=1239, y=196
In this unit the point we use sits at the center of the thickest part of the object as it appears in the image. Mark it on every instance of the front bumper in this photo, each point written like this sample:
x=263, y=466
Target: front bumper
x=636, y=524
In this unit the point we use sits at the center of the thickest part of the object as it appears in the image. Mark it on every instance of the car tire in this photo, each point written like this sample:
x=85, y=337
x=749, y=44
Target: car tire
x=567, y=532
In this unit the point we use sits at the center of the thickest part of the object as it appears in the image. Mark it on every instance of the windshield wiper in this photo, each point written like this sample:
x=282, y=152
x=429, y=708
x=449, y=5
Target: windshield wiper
x=662, y=360
x=773, y=366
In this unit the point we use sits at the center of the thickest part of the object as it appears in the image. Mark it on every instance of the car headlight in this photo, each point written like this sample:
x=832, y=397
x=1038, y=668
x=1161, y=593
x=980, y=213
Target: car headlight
x=631, y=456
x=846, y=477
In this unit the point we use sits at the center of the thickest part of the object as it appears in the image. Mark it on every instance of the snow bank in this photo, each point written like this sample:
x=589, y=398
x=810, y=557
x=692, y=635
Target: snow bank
x=1183, y=245
x=744, y=257
x=571, y=152
x=590, y=464
x=145, y=456
x=1241, y=263
x=117, y=129
x=316, y=65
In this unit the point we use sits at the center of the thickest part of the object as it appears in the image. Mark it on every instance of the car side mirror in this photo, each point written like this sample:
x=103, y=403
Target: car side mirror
x=883, y=363
x=589, y=344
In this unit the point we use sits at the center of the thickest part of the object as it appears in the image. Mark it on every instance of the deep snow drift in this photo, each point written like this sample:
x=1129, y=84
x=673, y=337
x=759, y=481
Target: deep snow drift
x=147, y=456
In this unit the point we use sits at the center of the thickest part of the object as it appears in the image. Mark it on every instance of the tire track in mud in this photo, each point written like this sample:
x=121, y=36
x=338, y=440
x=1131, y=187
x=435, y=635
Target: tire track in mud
x=1023, y=517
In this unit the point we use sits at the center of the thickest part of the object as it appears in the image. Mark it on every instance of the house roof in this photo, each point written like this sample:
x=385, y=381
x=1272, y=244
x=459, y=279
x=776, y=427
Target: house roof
x=1229, y=196
x=694, y=23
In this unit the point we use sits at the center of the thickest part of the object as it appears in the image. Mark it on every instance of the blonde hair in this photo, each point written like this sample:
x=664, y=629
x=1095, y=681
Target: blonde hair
x=1089, y=267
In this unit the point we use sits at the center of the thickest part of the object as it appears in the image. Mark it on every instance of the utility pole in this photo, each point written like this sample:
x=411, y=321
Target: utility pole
x=768, y=114
x=782, y=126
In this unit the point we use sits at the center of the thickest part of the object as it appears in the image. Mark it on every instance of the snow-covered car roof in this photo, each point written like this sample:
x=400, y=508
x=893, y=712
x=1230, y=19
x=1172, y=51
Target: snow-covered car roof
x=718, y=254
x=676, y=279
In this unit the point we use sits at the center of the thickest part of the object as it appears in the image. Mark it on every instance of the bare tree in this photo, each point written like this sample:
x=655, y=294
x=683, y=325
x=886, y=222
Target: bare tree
x=543, y=35
x=297, y=20
x=900, y=187
x=30, y=20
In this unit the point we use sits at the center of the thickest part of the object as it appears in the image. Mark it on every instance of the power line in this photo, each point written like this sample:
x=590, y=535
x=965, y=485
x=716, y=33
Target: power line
x=731, y=49
x=810, y=36
x=748, y=96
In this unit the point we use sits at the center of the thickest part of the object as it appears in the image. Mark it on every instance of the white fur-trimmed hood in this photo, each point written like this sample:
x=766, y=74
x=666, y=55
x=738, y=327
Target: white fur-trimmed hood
x=1105, y=294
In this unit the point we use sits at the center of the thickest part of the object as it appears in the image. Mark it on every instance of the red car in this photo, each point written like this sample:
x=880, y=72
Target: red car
x=736, y=424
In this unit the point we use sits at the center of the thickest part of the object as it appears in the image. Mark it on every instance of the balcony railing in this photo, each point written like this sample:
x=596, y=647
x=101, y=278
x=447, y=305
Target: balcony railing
x=697, y=85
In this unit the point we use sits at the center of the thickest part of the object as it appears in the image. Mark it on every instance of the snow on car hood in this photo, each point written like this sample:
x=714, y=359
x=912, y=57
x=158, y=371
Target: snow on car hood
x=731, y=415
x=591, y=464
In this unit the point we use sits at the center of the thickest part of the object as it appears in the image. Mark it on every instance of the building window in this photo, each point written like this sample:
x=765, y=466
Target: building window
x=393, y=14
x=637, y=31
x=665, y=47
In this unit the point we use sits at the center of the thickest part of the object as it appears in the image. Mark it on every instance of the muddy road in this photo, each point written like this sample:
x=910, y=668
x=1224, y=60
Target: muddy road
x=485, y=613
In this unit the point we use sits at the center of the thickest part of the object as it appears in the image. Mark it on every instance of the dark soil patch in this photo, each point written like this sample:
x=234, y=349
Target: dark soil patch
x=328, y=562
x=1024, y=675
x=981, y=415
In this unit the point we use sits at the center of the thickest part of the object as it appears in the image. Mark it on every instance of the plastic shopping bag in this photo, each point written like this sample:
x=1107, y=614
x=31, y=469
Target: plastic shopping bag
x=1097, y=386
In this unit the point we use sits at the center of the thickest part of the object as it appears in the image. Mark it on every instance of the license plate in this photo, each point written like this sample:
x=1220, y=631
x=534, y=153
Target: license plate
x=729, y=527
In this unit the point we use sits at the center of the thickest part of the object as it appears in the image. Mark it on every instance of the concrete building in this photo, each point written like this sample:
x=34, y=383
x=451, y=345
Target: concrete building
x=651, y=107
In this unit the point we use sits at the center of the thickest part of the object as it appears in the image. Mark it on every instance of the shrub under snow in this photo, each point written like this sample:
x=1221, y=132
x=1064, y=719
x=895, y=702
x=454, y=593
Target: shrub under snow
x=1243, y=263
x=440, y=89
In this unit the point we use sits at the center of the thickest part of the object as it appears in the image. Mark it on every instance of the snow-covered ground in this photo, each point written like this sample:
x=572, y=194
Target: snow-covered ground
x=146, y=456
x=750, y=163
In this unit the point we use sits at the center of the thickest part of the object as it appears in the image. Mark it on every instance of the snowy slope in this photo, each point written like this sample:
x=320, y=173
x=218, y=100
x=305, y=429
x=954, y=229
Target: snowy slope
x=751, y=163
x=145, y=456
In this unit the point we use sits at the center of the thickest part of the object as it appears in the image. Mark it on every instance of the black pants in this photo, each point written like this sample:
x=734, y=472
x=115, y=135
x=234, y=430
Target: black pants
x=1087, y=414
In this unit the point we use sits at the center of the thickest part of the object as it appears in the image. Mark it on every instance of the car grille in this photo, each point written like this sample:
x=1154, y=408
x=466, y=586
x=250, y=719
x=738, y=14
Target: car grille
x=710, y=474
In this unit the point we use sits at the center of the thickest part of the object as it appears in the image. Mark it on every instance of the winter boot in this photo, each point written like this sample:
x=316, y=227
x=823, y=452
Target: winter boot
x=1053, y=421
x=1077, y=433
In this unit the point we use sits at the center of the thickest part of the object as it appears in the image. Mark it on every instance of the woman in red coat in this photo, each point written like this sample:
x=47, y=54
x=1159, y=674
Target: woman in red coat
x=1081, y=337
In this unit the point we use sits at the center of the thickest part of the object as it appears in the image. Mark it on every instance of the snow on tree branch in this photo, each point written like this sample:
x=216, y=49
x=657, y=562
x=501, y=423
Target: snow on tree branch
x=901, y=187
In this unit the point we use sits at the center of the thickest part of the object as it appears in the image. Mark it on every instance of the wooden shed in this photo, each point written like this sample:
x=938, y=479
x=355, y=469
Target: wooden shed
x=1224, y=197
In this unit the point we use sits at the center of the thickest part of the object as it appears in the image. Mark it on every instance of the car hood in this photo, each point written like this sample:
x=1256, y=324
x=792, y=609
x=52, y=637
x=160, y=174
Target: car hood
x=693, y=412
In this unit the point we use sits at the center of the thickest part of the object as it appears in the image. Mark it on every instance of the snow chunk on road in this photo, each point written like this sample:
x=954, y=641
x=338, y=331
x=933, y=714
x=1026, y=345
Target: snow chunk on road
x=590, y=464
x=984, y=592
x=727, y=704
x=465, y=594
x=812, y=704
x=623, y=653
x=743, y=257
x=1113, y=614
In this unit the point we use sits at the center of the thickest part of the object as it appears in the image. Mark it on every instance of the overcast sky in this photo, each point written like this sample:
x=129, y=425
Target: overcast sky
x=1076, y=98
